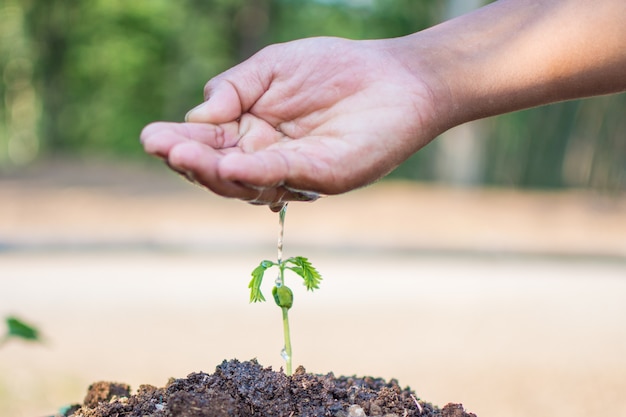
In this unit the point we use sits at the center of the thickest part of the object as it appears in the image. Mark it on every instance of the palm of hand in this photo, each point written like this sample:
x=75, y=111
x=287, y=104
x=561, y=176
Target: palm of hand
x=322, y=115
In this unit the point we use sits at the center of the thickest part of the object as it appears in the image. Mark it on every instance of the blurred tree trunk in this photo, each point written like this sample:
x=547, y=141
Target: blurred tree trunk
x=50, y=23
x=19, y=114
x=251, y=24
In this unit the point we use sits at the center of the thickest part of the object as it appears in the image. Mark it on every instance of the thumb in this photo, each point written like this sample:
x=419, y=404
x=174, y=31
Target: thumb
x=232, y=93
x=222, y=105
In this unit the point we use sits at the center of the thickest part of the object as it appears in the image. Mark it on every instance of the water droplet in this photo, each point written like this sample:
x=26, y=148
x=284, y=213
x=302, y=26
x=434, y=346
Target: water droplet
x=284, y=355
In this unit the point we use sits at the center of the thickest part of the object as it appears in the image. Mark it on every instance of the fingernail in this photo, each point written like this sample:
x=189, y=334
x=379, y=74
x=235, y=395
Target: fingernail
x=302, y=195
x=193, y=111
x=277, y=207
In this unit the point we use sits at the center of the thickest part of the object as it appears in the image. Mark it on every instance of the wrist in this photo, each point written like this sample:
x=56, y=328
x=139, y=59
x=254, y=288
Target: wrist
x=512, y=55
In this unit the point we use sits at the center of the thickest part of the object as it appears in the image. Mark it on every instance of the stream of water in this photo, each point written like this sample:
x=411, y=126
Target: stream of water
x=281, y=231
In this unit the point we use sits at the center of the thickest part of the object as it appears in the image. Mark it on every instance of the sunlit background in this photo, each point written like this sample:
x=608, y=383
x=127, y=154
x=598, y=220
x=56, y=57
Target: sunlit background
x=489, y=269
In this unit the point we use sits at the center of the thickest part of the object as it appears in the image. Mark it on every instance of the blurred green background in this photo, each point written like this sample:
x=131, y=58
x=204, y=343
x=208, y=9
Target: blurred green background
x=82, y=77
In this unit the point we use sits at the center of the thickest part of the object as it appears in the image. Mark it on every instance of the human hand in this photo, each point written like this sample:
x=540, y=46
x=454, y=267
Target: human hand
x=328, y=115
x=319, y=115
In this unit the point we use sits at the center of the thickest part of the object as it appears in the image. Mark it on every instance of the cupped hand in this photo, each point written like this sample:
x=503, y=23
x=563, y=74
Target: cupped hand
x=319, y=115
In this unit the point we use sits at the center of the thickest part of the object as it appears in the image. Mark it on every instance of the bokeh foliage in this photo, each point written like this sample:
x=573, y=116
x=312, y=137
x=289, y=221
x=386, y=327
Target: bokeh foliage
x=84, y=76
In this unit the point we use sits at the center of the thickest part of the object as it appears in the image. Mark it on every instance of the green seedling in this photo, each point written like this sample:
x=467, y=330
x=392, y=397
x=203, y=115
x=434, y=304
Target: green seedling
x=19, y=330
x=283, y=296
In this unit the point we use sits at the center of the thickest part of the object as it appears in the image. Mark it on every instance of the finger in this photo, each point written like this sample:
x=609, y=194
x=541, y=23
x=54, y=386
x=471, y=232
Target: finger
x=273, y=168
x=158, y=138
x=256, y=134
x=277, y=197
x=232, y=93
x=199, y=163
x=222, y=106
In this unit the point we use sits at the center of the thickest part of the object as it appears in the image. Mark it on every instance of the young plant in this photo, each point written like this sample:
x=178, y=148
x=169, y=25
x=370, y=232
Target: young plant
x=20, y=330
x=283, y=296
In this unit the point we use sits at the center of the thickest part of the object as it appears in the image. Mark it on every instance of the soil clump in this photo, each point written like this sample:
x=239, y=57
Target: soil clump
x=242, y=389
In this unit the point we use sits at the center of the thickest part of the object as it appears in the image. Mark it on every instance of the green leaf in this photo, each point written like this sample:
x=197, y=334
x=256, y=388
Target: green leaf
x=257, y=278
x=303, y=267
x=18, y=328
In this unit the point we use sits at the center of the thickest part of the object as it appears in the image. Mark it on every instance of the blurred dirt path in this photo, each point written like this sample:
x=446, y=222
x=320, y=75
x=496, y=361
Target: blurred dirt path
x=101, y=205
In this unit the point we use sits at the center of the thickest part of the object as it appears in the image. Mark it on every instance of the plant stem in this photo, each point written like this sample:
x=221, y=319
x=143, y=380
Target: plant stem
x=287, y=334
x=280, y=281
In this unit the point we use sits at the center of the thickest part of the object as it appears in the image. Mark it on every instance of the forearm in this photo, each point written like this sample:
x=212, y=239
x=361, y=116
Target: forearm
x=515, y=54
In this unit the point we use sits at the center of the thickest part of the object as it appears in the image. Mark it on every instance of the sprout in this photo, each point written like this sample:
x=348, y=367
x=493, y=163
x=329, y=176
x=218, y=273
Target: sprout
x=283, y=296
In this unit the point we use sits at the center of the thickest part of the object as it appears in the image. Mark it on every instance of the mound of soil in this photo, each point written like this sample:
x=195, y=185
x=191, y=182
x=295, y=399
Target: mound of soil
x=242, y=389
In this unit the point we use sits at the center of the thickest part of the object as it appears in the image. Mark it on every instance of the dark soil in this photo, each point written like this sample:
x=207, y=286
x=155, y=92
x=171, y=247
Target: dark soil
x=241, y=389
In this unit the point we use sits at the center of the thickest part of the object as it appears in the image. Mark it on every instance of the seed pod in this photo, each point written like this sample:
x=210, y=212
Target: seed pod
x=283, y=296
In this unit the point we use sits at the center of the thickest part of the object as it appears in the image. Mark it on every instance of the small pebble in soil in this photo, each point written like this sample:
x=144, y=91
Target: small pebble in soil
x=356, y=411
